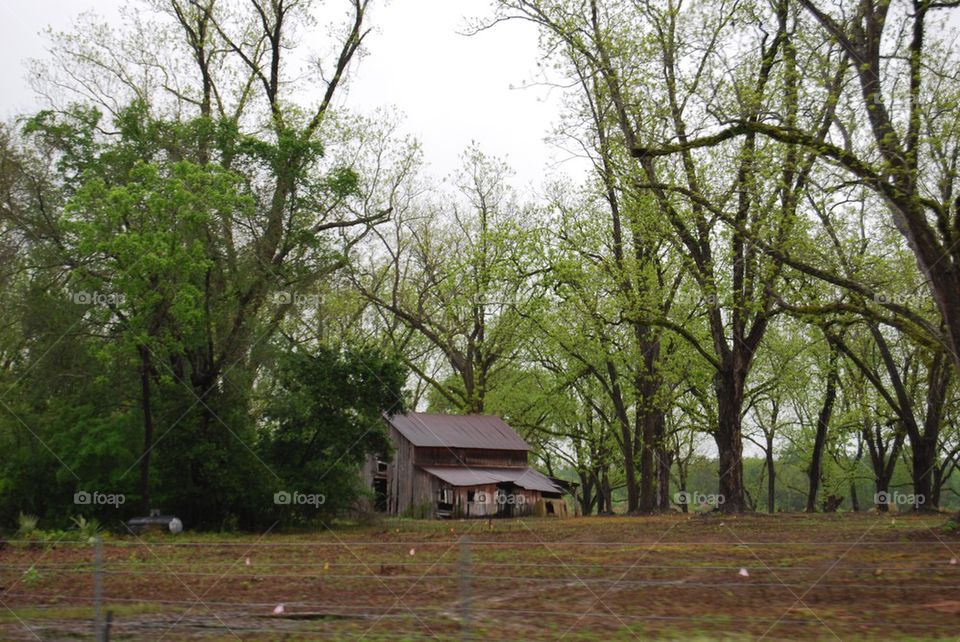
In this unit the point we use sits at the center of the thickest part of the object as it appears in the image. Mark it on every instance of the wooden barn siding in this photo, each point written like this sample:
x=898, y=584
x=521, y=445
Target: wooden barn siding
x=441, y=456
x=490, y=507
x=534, y=503
x=407, y=485
x=400, y=475
x=425, y=491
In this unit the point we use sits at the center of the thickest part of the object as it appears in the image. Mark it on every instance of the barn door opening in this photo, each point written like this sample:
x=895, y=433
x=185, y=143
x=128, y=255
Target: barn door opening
x=380, y=494
x=445, y=501
x=506, y=499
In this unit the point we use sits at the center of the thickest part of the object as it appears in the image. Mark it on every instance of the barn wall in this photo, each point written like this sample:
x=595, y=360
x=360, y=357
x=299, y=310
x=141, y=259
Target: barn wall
x=525, y=501
x=440, y=456
x=487, y=508
x=424, y=496
x=400, y=475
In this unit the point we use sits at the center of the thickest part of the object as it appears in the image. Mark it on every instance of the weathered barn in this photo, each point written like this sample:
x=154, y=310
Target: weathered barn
x=459, y=466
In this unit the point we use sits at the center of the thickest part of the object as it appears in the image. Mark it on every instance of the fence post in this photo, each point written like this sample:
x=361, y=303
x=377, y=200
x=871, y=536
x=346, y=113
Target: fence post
x=465, y=589
x=99, y=629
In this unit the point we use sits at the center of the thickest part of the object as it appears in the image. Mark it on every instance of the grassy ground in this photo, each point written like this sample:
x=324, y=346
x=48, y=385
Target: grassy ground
x=843, y=576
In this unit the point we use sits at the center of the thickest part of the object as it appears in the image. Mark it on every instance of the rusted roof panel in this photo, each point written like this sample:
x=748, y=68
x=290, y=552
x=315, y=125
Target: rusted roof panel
x=528, y=478
x=457, y=431
x=533, y=479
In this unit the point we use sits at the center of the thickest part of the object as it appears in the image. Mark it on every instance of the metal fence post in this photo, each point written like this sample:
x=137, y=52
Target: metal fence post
x=465, y=589
x=99, y=629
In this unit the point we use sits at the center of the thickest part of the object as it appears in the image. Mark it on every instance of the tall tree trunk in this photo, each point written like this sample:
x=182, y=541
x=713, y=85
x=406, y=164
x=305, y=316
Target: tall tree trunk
x=937, y=485
x=682, y=480
x=586, y=493
x=607, y=493
x=664, y=463
x=729, y=438
x=854, y=498
x=924, y=460
x=882, y=488
x=598, y=500
x=815, y=471
x=629, y=463
x=648, y=471
x=771, y=475
x=145, y=404
x=626, y=437
x=633, y=488
x=883, y=462
x=924, y=449
x=649, y=418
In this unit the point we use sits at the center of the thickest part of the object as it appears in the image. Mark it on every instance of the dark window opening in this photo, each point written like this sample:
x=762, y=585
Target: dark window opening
x=471, y=495
x=380, y=495
x=550, y=508
x=505, y=499
x=445, y=496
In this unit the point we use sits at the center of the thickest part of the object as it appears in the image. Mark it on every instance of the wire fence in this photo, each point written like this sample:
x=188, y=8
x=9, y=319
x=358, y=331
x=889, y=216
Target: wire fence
x=464, y=588
x=139, y=543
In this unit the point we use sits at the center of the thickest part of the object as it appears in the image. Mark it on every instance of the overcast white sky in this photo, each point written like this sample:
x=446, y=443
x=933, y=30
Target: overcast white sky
x=453, y=89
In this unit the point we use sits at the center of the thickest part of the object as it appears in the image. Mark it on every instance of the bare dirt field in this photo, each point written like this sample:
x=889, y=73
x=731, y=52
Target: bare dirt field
x=843, y=576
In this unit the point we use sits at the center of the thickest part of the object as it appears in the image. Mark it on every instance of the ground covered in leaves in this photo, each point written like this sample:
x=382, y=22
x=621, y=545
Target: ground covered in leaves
x=842, y=576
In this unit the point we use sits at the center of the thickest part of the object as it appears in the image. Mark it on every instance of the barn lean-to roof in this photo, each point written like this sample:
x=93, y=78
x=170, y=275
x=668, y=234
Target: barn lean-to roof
x=527, y=478
x=457, y=431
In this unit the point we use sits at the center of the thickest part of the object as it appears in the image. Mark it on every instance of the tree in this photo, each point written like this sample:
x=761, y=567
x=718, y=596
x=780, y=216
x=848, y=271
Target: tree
x=919, y=419
x=454, y=272
x=756, y=187
x=211, y=200
x=139, y=239
x=325, y=417
x=909, y=162
x=815, y=472
x=645, y=281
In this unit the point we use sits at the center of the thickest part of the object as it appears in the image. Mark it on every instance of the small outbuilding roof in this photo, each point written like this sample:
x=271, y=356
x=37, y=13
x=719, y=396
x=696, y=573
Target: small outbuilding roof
x=528, y=478
x=457, y=431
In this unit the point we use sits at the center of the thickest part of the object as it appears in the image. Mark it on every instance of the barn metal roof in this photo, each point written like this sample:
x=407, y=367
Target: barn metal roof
x=528, y=478
x=457, y=431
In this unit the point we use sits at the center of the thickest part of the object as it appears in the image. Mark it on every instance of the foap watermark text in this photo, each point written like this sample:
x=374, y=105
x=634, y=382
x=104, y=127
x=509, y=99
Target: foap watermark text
x=695, y=498
x=96, y=498
x=97, y=298
x=896, y=498
x=296, y=498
